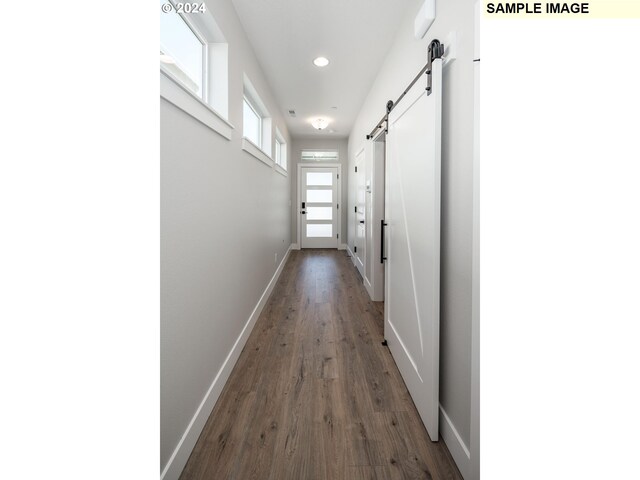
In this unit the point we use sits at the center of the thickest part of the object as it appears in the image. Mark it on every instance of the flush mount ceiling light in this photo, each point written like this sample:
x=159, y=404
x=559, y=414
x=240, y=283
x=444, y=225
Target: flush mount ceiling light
x=319, y=123
x=321, y=62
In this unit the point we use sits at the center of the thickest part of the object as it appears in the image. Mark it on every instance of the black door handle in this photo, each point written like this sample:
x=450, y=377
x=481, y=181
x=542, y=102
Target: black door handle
x=361, y=221
x=382, y=257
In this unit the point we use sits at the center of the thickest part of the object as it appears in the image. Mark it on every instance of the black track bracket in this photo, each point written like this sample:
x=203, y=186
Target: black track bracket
x=436, y=50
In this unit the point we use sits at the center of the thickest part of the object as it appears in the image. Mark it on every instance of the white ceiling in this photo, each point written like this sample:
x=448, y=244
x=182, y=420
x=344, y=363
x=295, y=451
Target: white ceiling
x=354, y=35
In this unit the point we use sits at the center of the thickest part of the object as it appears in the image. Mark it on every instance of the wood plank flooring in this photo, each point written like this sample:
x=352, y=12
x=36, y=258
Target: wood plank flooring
x=314, y=394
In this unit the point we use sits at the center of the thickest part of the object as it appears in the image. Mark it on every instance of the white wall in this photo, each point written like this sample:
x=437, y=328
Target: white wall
x=300, y=144
x=224, y=217
x=404, y=60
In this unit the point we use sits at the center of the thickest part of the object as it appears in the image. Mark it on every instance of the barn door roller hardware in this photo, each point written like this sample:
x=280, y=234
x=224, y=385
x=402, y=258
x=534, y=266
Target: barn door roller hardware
x=435, y=50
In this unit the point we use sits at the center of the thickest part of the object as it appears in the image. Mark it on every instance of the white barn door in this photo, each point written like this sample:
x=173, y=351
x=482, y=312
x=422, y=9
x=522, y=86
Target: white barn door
x=412, y=237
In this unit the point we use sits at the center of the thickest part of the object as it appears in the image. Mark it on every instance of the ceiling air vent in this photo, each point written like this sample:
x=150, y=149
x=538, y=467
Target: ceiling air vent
x=292, y=113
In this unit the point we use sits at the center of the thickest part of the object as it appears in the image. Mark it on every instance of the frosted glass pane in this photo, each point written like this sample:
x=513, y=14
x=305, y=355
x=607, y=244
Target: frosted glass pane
x=250, y=124
x=319, y=178
x=322, y=156
x=319, y=213
x=319, y=196
x=180, y=51
x=324, y=231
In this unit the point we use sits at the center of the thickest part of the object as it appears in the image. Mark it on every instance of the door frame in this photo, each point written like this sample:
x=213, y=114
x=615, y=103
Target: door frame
x=474, y=440
x=375, y=285
x=362, y=150
x=338, y=200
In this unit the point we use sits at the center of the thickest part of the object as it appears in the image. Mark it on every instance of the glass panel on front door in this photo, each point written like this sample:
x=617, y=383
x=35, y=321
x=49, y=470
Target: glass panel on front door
x=319, y=178
x=319, y=213
x=319, y=196
x=319, y=230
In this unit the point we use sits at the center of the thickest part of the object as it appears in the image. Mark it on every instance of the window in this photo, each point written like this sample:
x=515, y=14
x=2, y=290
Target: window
x=256, y=125
x=251, y=123
x=319, y=156
x=182, y=53
x=281, y=151
x=194, y=71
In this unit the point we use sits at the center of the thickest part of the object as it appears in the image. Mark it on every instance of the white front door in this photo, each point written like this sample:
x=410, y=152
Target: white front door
x=412, y=274
x=319, y=207
x=360, y=211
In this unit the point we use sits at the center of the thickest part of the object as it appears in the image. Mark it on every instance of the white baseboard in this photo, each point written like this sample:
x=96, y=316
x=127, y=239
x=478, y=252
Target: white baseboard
x=368, y=287
x=456, y=446
x=180, y=455
x=351, y=255
x=341, y=246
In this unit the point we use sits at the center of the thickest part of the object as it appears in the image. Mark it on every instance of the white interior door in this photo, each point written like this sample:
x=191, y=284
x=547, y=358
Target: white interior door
x=360, y=211
x=412, y=237
x=319, y=207
x=374, y=200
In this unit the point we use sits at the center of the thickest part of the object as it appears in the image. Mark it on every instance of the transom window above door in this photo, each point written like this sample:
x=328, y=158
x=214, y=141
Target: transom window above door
x=319, y=156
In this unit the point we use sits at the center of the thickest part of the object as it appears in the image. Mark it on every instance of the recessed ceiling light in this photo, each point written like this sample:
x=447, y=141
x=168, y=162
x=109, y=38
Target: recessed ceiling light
x=321, y=62
x=320, y=123
x=164, y=58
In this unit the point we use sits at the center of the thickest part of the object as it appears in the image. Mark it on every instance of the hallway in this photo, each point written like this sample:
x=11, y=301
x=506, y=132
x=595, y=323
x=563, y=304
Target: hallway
x=314, y=394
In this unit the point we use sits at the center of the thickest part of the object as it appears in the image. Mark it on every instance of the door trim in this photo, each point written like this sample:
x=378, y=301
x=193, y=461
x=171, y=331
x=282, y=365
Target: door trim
x=339, y=240
x=474, y=440
x=356, y=257
x=375, y=284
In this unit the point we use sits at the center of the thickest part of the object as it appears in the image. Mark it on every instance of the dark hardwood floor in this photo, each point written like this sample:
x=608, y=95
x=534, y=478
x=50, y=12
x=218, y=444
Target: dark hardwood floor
x=314, y=394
